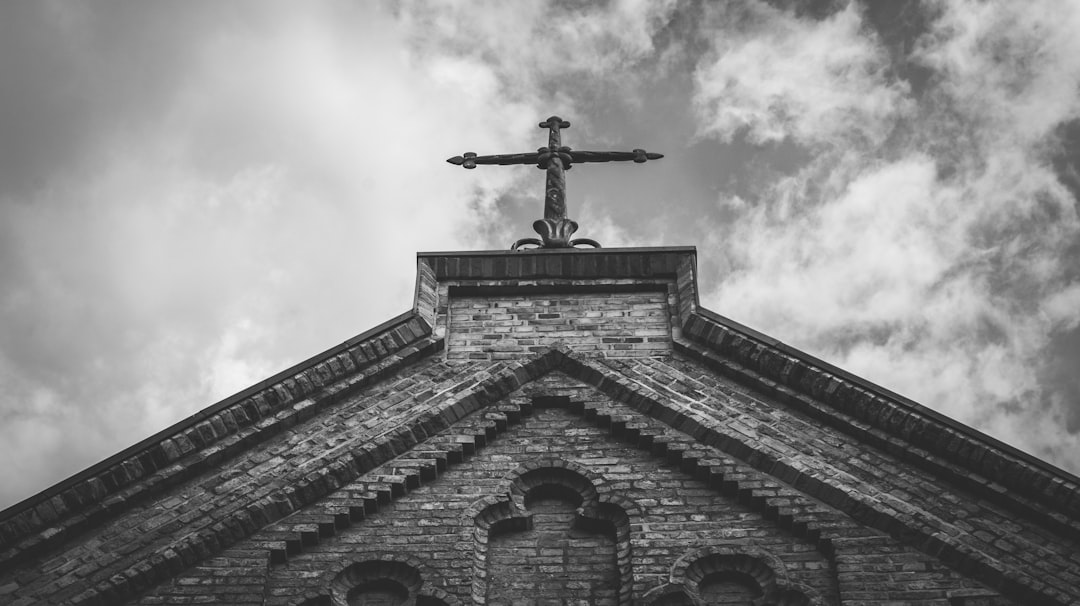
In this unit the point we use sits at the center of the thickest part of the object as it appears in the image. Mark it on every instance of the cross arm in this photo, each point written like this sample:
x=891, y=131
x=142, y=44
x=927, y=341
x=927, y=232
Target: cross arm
x=471, y=160
x=638, y=155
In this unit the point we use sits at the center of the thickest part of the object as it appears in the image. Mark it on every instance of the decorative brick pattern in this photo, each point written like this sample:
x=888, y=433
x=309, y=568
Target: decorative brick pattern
x=769, y=365
x=433, y=520
x=938, y=518
x=694, y=450
x=774, y=367
x=873, y=570
x=176, y=531
x=236, y=577
x=552, y=560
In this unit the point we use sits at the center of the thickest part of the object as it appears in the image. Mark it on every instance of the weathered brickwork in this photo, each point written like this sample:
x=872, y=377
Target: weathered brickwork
x=436, y=523
x=556, y=558
x=222, y=503
x=91, y=497
x=682, y=537
x=614, y=325
x=768, y=364
x=774, y=367
x=236, y=577
x=877, y=487
x=876, y=569
x=564, y=426
x=650, y=376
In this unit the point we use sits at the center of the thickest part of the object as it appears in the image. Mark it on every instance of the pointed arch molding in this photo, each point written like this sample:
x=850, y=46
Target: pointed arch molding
x=600, y=510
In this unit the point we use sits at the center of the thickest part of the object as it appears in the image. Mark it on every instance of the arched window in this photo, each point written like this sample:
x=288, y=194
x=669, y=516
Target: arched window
x=556, y=558
x=729, y=588
x=726, y=576
x=378, y=592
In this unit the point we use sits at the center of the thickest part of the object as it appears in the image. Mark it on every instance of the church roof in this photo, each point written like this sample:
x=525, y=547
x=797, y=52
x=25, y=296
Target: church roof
x=680, y=370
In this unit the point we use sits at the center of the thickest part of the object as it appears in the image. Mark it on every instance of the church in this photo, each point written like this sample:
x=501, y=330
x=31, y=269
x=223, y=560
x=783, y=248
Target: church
x=557, y=423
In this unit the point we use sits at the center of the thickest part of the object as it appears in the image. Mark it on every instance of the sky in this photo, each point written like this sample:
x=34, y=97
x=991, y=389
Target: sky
x=196, y=195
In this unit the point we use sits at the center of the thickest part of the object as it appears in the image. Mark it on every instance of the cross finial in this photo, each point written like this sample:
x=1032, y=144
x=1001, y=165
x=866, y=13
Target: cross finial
x=555, y=123
x=555, y=228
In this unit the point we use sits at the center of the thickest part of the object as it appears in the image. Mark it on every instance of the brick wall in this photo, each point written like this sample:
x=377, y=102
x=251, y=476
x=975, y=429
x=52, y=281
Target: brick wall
x=619, y=325
x=484, y=525
x=435, y=523
x=554, y=559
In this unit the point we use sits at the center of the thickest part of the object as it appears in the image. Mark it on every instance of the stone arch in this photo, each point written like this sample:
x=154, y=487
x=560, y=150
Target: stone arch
x=594, y=511
x=759, y=576
x=387, y=579
x=762, y=568
x=555, y=471
x=669, y=594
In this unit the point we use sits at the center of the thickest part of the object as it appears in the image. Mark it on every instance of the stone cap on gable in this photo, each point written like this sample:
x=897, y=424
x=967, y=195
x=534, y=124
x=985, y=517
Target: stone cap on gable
x=565, y=262
x=443, y=276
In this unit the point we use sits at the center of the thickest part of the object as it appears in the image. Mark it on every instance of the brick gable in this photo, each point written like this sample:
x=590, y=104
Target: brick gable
x=333, y=480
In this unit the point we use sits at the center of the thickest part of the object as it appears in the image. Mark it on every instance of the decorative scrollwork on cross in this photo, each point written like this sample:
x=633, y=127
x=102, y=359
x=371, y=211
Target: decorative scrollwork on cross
x=555, y=228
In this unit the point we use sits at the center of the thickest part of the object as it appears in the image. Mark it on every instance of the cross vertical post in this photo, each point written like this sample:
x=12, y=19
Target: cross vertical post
x=555, y=190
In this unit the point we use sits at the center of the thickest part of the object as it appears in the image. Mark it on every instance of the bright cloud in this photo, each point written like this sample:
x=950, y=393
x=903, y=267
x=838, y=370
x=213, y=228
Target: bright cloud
x=772, y=75
x=928, y=245
x=237, y=234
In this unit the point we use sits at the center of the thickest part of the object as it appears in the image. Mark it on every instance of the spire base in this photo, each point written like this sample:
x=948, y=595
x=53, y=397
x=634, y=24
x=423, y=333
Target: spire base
x=555, y=233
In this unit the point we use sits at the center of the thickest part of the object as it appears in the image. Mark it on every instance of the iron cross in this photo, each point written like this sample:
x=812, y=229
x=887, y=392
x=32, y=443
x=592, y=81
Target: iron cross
x=555, y=228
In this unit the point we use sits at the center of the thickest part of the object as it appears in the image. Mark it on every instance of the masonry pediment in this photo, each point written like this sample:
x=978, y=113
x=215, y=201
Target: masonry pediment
x=833, y=462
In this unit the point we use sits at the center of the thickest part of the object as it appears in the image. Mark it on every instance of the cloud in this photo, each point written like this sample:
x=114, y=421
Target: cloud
x=194, y=198
x=1006, y=65
x=566, y=56
x=201, y=197
x=238, y=231
x=929, y=244
x=772, y=75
